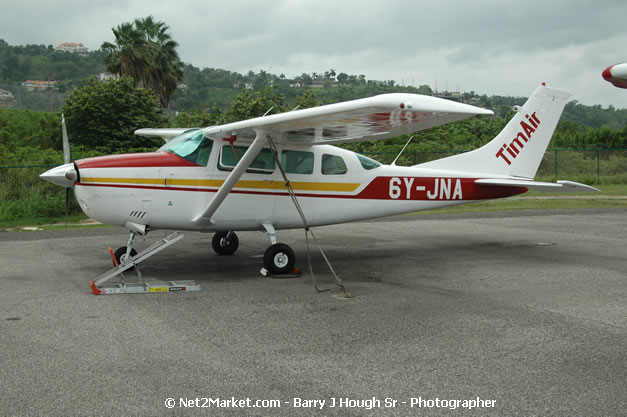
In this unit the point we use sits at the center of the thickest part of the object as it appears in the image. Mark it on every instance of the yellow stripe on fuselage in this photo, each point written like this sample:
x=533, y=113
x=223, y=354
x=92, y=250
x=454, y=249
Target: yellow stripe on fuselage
x=249, y=184
x=154, y=181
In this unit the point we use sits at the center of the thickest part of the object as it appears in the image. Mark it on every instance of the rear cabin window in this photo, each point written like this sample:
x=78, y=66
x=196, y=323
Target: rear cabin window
x=263, y=163
x=367, y=163
x=297, y=162
x=333, y=165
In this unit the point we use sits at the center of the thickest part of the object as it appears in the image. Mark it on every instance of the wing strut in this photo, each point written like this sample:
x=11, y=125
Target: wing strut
x=243, y=164
x=308, y=230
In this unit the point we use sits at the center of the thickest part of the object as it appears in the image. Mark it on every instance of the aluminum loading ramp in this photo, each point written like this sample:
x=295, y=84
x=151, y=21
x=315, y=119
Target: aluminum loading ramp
x=99, y=286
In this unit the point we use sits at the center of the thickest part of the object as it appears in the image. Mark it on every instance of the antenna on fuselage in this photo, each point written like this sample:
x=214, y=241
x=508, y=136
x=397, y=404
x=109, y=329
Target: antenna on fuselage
x=400, y=153
x=269, y=110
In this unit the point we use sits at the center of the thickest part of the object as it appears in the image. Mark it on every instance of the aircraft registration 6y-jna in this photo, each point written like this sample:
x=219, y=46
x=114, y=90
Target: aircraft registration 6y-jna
x=283, y=172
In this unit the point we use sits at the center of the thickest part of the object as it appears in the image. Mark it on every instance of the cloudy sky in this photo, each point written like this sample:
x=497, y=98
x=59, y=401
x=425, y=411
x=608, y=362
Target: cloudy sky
x=499, y=47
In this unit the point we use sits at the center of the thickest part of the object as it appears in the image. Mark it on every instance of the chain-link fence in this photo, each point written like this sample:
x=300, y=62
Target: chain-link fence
x=23, y=195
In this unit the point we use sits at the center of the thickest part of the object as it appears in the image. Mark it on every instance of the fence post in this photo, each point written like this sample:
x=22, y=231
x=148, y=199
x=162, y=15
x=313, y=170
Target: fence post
x=598, y=164
x=556, y=172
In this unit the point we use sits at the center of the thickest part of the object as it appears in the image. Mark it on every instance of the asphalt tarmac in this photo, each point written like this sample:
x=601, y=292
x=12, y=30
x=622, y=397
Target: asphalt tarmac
x=516, y=313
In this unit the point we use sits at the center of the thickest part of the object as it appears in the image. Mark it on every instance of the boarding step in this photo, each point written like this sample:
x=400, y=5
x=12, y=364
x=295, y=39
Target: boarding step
x=99, y=285
x=144, y=287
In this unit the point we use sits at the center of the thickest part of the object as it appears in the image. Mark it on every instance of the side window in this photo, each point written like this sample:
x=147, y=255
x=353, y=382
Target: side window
x=367, y=163
x=333, y=165
x=297, y=162
x=263, y=163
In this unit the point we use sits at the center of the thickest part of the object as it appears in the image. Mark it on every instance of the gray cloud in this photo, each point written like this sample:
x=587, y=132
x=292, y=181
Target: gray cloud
x=496, y=47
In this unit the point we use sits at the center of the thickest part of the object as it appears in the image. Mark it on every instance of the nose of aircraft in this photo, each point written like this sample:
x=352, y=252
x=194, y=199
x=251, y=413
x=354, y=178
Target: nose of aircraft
x=63, y=175
x=607, y=73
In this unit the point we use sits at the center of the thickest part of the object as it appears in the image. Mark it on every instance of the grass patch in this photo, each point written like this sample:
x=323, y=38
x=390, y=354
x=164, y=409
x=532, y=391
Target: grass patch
x=18, y=223
x=72, y=226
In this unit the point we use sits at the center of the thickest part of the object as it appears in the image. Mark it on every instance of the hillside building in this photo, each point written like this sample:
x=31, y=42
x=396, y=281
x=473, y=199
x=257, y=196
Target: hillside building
x=36, y=84
x=74, y=48
x=106, y=76
x=5, y=95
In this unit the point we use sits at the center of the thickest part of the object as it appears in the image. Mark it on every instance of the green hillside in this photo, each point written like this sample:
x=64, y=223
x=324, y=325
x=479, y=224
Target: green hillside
x=210, y=88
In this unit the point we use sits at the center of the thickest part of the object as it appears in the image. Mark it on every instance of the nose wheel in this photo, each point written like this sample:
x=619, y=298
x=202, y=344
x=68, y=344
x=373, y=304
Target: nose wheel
x=279, y=259
x=225, y=243
x=121, y=254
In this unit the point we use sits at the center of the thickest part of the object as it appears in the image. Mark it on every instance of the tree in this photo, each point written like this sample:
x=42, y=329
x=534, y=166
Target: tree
x=195, y=118
x=306, y=100
x=304, y=79
x=145, y=51
x=249, y=104
x=104, y=115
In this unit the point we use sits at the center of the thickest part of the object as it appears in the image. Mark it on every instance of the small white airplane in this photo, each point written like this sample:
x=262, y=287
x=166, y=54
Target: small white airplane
x=616, y=74
x=282, y=172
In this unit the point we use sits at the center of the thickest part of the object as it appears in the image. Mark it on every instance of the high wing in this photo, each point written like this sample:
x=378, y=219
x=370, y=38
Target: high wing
x=372, y=118
x=165, y=133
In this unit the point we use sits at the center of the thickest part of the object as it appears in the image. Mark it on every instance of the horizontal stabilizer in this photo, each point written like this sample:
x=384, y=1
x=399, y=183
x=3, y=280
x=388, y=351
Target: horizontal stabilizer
x=559, y=186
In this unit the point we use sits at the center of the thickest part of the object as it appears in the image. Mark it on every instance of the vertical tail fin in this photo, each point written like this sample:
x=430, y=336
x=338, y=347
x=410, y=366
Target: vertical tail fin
x=518, y=149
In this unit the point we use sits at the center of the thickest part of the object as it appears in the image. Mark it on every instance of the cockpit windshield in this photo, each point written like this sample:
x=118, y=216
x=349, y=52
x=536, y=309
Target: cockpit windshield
x=192, y=146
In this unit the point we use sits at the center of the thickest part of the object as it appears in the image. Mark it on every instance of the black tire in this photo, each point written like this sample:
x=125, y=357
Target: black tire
x=279, y=259
x=224, y=243
x=121, y=253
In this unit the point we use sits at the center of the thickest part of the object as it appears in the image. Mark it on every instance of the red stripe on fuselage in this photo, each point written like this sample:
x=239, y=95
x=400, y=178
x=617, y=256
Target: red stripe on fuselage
x=381, y=188
x=135, y=160
x=433, y=188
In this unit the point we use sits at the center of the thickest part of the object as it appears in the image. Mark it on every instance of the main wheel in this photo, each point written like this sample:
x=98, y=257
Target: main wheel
x=120, y=254
x=279, y=259
x=225, y=243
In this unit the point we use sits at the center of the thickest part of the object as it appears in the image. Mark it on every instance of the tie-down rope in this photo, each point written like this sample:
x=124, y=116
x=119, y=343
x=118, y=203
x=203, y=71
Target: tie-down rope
x=308, y=229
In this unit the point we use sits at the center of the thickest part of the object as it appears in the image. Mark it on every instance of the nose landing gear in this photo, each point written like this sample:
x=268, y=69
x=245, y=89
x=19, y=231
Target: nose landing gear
x=225, y=243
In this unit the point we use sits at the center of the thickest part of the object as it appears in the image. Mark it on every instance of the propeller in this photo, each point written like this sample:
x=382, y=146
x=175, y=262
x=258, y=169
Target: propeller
x=64, y=175
x=66, y=160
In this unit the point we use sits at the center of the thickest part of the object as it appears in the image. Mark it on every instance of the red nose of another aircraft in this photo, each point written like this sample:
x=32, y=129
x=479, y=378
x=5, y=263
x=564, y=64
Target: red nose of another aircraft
x=616, y=74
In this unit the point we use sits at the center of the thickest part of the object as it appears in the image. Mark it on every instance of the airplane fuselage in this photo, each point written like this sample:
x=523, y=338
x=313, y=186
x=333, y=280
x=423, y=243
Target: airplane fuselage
x=333, y=185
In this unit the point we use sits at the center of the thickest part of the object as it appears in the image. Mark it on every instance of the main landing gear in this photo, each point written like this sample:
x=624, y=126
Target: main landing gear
x=278, y=259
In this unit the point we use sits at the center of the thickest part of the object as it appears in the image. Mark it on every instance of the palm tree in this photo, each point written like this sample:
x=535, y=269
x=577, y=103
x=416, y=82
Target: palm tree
x=145, y=51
